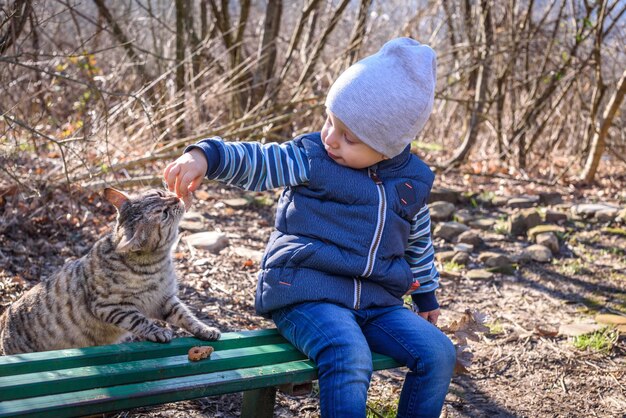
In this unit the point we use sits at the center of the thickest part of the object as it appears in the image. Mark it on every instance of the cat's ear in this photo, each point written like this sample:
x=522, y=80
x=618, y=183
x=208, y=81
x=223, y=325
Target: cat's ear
x=135, y=243
x=115, y=197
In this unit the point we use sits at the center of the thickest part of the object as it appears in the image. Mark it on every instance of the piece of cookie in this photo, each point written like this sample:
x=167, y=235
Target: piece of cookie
x=200, y=352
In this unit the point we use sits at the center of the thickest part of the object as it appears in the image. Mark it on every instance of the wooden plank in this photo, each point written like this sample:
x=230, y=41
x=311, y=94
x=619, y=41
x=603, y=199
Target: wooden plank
x=89, y=377
x=117, y=353
x=167, y=390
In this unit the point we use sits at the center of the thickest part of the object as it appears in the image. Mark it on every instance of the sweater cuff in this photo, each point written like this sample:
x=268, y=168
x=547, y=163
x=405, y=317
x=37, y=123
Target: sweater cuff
x=211, y=153
x=425, y=302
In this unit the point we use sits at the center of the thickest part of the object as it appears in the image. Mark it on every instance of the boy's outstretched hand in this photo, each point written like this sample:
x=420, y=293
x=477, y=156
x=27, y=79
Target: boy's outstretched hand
x=431, y=316
x=184, y=175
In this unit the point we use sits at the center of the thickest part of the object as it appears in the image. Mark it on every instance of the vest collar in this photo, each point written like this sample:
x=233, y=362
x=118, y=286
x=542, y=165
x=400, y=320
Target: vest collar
x=394, y=163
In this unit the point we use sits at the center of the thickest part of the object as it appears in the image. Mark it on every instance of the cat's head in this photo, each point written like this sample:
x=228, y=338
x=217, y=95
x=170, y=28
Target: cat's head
x=147, y=222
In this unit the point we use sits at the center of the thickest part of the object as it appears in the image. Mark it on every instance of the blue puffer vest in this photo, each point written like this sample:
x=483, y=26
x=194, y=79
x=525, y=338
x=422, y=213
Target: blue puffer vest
x=341, y=237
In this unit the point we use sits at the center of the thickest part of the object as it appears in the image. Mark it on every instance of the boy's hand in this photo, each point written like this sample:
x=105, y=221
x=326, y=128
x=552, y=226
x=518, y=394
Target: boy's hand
x=184, y=175
x=431, y=316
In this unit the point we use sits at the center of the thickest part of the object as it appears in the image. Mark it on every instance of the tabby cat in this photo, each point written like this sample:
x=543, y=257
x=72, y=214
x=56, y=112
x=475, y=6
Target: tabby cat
x=126, y=278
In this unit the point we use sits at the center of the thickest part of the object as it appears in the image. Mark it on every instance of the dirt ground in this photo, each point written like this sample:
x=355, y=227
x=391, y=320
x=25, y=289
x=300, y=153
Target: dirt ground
x=521, y=368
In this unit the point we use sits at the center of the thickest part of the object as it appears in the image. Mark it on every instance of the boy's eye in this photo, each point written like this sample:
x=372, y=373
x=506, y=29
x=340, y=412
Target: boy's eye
x=348, y=140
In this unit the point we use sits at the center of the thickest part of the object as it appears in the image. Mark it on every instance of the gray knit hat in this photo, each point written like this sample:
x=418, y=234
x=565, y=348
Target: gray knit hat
x=385, y=99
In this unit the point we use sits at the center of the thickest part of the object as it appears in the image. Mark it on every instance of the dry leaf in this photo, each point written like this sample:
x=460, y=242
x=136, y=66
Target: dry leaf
x=468, y=327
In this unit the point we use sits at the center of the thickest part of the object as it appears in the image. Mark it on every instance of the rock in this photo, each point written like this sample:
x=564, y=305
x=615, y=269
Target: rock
x=555, y=217
x=445, y=256
x=239, y=202
x=463, y=248
x=491, y=259
x=449, y=230
x=443, y=194
x=588, y=210
x=499, y=201
x=621, y=217
x=539, y=253
x=542, y=229
x=548, y=239
x=484, y=224
x=610, y=319
x=607, y=215
x=463, y=216
x=192, y=222
x=471, y=238
x=254, y=255
x=575, y=330
x=522, y=221
x=550, y=198
x=461, y=258
x=479, y=274
x=211, y=241
x=523, y=202
x=441, y=210
x=450, y=274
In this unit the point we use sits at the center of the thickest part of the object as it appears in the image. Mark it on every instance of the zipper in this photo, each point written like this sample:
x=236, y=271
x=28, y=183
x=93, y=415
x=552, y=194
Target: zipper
x=357, y=293
x=378, y=233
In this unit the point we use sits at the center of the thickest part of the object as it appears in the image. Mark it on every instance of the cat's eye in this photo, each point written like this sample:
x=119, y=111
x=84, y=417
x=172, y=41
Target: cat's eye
x=164, y=215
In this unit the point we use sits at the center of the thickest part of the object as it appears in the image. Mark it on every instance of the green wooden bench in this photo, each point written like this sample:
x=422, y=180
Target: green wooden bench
x=86, y=381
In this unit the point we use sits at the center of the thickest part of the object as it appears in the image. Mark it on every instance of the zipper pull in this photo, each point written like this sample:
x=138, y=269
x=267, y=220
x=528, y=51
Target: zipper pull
x=375, y=177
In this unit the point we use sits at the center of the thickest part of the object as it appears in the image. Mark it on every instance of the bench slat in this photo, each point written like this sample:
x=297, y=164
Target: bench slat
x=74, y=379
x=167, y=390
x=117, y=353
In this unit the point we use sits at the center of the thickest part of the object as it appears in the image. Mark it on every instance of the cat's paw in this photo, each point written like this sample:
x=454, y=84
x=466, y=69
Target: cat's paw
x=208, y=333
x=160, y=335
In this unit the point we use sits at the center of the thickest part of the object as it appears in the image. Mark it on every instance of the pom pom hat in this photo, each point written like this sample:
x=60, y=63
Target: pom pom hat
x=385, y=99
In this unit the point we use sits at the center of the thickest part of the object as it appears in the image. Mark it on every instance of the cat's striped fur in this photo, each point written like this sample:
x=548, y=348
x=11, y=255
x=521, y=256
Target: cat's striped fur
x=119, y=286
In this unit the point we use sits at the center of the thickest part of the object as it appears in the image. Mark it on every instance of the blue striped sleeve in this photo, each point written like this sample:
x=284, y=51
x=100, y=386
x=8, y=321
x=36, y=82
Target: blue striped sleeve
x=420, y=253
x=255, y=166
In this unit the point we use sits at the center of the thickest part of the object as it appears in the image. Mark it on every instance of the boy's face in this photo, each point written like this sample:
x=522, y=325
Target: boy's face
x=344, y=147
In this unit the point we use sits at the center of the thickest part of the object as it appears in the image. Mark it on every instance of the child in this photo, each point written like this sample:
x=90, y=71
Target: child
x=352, y=232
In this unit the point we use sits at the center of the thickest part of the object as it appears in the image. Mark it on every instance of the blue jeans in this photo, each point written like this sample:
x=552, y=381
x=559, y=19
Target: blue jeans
x=339, y=341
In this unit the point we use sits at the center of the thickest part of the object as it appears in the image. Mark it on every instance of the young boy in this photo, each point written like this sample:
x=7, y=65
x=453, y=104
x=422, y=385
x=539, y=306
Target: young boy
x=352, y=232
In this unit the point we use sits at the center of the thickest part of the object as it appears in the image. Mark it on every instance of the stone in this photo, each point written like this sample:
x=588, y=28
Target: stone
x=491, y=259
x=575, y=330
x=522, y=221
x=548, y=239
x=542, y=229
x=621, y=217
x=463, y=216
x=589, y=210
x=539, y=253
x=463, y=248
x=555, y=217
x=461, y=258
x=500, y=201
x=238, y=202
x=445, y=256
x=254, y=255
x=441, y=210
x=211, y=241
x=471, y=238
x=607, y=215
x=449, y=230
x=610, y=319
x=550, y=198
x=522, y=202
x=484, y=224
x=479, y=274
x=443, y=194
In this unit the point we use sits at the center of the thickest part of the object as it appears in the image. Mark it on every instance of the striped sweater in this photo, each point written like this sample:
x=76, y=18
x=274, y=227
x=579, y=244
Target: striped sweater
x=255, y=166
